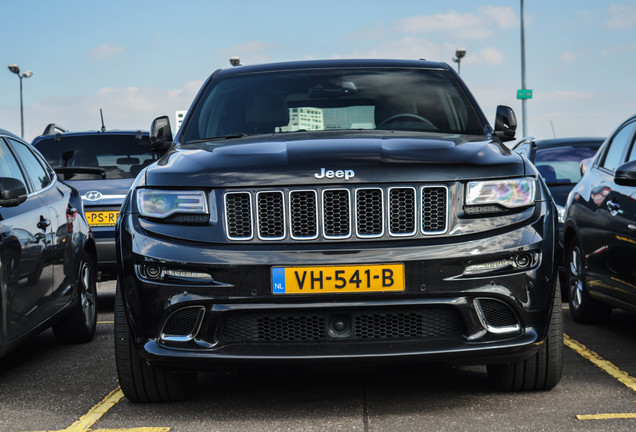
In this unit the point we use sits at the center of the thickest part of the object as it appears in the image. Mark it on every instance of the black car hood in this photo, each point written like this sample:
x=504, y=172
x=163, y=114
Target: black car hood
x=296, y=159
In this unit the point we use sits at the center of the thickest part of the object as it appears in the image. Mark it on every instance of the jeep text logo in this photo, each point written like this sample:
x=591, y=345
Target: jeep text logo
x=345, y=174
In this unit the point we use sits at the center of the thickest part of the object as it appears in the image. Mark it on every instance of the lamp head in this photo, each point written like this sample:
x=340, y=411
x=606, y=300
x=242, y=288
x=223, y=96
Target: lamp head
x=27, y=74
x=460, y=53
x=235, y=61
x=14, y=68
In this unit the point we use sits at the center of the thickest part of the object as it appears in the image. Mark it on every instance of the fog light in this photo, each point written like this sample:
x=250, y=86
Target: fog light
x=153, y=271
x=523, y=260
x=186, y=274
x=489, y=266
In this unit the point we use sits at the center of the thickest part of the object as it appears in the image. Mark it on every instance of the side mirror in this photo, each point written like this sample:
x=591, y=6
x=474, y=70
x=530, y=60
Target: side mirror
x=12, y=192
x=505, y=123
x=626, y=174
x=160, y=134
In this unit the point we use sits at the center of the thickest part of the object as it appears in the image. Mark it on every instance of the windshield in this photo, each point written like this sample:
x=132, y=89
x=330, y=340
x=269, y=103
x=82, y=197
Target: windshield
x=560, y=165
x=333, y=99
x=118, y=156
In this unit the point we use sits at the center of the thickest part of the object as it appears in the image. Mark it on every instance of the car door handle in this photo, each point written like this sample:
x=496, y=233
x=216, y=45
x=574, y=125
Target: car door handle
x=43, y=222
x=613, y=207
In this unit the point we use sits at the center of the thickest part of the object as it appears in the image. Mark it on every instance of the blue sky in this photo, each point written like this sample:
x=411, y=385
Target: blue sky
x=138, y=60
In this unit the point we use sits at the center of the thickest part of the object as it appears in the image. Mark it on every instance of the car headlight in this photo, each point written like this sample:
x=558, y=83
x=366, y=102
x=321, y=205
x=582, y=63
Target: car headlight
x=161, y=204
x=508, y=193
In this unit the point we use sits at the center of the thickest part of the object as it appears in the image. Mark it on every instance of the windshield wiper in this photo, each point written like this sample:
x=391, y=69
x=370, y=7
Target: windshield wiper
x=218, y=138
x=70, y=172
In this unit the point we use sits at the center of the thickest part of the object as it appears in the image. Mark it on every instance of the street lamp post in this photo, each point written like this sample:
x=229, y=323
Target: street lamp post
x=523, y=74
x=459, y=55
x=16, y=70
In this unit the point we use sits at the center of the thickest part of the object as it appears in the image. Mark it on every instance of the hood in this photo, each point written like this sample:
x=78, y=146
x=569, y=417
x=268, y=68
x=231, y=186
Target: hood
x=298, y=159
x=109, y=192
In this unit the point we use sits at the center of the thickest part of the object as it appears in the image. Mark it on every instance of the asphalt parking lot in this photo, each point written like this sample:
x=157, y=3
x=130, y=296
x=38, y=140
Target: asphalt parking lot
x=46, y=386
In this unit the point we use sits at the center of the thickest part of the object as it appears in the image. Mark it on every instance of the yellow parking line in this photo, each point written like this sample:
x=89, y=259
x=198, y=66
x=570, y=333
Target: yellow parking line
x=87, y=420
x=608, y=367
x=95, y=413
x=105, y=322
x=600, y=362
x=606, y=416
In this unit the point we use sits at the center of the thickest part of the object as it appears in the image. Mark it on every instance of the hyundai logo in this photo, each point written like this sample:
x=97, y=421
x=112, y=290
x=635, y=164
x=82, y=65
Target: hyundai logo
x=93, y=196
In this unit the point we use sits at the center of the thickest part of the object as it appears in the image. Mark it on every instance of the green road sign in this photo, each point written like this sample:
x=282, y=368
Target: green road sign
x=524, y=94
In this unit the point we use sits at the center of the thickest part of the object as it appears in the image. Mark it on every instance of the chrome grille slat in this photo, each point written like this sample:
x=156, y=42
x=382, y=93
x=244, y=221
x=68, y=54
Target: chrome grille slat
x=270, y=215
x=369, y=212
x=303, y=214
x=434, y=213
x=238, y=215
x=372, y=212
x=403, y=216
x=336, y=213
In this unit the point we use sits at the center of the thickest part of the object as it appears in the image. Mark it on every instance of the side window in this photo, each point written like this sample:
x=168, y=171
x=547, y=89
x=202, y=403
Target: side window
x=618, y=146
x=632, y=154
x=8, y=165
x=36, y=173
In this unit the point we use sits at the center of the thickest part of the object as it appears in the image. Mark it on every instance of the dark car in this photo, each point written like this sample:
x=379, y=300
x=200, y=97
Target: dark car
x=47, y=253
x=345, y=212
x=101, y=165
x=599, y=234
x=558, y=161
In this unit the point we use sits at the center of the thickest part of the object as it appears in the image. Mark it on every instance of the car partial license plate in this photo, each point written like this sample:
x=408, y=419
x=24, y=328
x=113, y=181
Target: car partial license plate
x=102, y=218
x=338, y=279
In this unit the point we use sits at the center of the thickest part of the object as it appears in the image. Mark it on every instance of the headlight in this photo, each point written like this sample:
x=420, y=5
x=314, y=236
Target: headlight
x=509, y=193
x=160, y=204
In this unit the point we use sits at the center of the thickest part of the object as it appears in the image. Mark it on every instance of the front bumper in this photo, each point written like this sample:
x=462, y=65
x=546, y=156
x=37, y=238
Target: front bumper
x=443, y=315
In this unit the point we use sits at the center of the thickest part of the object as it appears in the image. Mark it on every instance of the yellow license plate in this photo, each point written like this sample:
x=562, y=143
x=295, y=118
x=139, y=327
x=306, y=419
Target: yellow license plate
x=338, y=279
x=102, y=218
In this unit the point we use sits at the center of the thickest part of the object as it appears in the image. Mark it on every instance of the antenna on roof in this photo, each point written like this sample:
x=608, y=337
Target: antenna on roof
x=551, y=125
x=102, y=116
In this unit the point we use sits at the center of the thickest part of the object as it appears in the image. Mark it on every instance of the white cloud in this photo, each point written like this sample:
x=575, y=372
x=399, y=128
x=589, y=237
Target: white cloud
x=407, y=47
x=106, y=51
x=486, y=56
x=505, y=17
x=568, y=57
x=467, y=26
x=621, y=17
x=123, y=108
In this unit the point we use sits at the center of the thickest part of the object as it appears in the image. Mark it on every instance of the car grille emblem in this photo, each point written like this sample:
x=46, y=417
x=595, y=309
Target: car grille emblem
x=93, y=196
x=345, y=174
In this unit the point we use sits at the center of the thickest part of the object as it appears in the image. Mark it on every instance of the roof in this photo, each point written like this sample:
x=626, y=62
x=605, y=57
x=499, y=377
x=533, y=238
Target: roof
x=92, y=132
x=338, y=63
x=7, y=133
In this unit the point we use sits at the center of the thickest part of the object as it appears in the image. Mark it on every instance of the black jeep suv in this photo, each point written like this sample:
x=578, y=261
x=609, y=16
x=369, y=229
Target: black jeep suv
x=336, y=212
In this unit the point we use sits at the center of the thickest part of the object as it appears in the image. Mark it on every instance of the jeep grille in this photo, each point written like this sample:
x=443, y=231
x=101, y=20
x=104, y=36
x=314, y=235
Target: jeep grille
x=336, y=213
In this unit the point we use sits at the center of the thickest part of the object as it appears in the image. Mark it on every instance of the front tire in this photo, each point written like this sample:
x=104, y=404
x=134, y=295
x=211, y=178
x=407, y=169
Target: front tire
x=79, y=326
x=139, y=381
x=583, y=309
x=543, y=370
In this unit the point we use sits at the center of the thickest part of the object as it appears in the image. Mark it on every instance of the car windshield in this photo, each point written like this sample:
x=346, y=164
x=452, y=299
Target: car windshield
x=560, y=165
x=109, y=155
x=426, y=100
